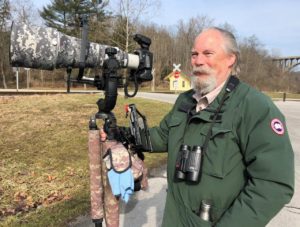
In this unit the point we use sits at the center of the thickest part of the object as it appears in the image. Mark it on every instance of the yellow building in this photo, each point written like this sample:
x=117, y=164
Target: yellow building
x=178, y=81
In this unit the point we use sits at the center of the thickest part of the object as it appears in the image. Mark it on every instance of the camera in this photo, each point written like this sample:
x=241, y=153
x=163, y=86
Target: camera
x=46, y=48
x=188, y=163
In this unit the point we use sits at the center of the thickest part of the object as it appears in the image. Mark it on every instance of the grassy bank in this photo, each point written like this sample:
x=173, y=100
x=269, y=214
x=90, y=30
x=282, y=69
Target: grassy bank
x=44, y=178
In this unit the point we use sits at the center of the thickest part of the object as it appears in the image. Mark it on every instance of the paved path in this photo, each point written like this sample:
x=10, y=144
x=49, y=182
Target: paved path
x=290, y=215
x=145, y=209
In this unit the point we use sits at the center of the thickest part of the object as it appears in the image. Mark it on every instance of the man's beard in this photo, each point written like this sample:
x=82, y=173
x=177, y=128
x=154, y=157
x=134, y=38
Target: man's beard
x=203, y=86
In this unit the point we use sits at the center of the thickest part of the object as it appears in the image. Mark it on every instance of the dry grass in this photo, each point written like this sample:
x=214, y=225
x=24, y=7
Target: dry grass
x=43, y=149
x=279, y=95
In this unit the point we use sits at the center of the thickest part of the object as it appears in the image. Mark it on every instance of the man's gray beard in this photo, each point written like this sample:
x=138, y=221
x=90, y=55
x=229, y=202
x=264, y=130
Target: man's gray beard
x=203, y=86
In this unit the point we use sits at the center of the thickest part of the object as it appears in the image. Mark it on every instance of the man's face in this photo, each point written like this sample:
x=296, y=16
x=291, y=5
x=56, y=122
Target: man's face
x=211, y=63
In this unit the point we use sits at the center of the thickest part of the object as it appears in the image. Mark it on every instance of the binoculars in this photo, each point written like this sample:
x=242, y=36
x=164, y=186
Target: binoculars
x=188, y=163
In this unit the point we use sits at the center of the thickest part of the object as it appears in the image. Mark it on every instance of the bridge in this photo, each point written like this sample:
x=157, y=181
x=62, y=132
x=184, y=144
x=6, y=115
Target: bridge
x=287, y=63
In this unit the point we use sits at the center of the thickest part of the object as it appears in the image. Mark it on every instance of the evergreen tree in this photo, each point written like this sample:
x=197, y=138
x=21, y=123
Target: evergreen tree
x=66, y=15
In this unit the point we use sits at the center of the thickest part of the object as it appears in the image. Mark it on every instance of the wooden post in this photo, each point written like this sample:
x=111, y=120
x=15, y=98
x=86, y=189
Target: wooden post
x=28, y=77
x=17, y=79
x=153, y=81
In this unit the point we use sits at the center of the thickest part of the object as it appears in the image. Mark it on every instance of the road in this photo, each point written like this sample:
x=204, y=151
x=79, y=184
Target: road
x=290, y=215
x=145, y=209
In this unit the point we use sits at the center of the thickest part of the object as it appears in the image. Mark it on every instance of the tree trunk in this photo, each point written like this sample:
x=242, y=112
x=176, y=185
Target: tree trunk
x=3, y=76
x=127, y=30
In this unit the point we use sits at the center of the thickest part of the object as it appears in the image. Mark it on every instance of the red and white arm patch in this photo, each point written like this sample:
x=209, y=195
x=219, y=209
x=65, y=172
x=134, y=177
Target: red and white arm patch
x=277, y=126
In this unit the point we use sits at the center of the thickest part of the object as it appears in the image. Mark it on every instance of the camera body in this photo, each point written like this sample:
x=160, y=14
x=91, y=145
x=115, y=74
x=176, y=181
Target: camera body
x=144, y=71
x=189, y=163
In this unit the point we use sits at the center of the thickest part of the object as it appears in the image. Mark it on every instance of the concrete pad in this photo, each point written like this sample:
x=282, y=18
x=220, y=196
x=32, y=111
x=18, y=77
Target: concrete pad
x=144, y=209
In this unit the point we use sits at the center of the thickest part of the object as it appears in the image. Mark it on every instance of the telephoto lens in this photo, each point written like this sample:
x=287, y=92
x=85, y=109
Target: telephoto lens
x=181, y=161
x=194, y=164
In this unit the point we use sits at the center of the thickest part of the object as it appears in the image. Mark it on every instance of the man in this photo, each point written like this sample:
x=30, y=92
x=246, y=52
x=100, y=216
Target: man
x=247, y=169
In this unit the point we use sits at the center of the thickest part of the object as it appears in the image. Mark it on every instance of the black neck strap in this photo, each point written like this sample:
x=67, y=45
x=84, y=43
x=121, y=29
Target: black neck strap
x=231, y=85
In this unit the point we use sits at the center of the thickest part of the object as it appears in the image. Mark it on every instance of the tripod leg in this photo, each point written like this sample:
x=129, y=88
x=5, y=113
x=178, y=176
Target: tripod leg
x=111, y=203
x=95, y=158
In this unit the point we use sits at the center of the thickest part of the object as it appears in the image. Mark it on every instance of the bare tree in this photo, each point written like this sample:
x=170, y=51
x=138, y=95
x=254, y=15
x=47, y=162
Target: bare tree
x=127, y=14
x=24, y=11
x=169, y=47
x=162, y=46
x=186, y=34
x=252, y=59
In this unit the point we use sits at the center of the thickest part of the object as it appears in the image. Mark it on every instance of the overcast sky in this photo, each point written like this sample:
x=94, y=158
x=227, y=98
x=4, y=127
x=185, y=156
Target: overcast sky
x=276, y=23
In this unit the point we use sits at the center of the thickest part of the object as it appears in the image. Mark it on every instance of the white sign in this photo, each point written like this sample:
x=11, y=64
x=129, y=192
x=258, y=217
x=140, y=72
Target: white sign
x=176, y=68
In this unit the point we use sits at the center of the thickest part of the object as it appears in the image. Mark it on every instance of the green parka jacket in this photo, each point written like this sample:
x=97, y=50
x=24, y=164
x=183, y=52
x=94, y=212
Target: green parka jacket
x=248, y=169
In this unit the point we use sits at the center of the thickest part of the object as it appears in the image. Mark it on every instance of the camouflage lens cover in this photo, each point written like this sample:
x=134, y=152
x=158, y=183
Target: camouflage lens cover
x=120, y=159
x=46, y=48
x=137, y=166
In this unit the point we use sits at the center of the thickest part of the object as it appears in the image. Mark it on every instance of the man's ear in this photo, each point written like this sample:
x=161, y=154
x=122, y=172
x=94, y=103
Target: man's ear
x=231, y=60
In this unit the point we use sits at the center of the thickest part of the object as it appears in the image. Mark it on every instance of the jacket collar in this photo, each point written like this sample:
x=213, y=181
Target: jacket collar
x=189, y=106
